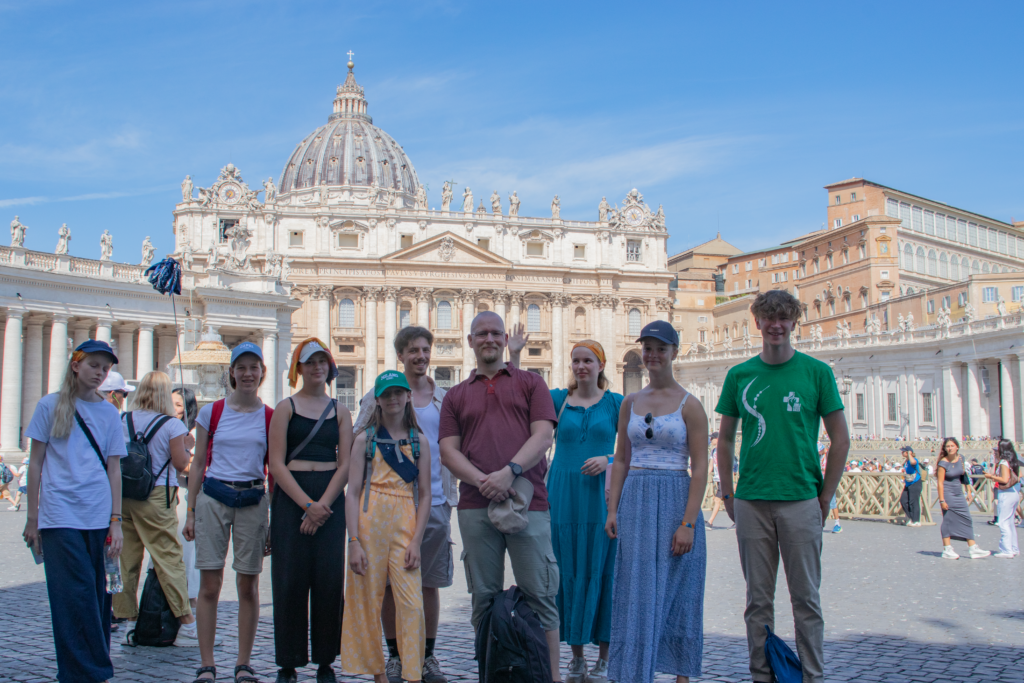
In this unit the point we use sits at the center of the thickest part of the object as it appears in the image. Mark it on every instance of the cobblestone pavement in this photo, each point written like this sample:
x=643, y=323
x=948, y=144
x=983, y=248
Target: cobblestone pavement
x=894, y=611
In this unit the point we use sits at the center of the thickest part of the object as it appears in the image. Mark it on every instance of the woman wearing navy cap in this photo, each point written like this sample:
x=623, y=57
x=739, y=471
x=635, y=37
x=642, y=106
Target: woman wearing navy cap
x=74, y=510
x=654, y=511
x=310, y=443
x=227, y=502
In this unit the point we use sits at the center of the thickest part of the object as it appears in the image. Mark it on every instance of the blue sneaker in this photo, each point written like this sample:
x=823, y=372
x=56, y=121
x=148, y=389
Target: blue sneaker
x=837, y=529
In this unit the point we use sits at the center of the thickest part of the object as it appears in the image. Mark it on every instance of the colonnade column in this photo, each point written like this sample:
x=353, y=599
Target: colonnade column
x=268, y=391
x=81, y=333
x=58, y=353
x=145, y=355
x=423, y=306
x=372, y=294
x=167, y=349
x=32, y=370
x=912, y=417
x=952, y=408
x=125, y=353
x=1009, y=415
x=390, y=327
x=973, y=399
x=468, y=312
x=103, y=330
x=558, y=304
x=10, y=390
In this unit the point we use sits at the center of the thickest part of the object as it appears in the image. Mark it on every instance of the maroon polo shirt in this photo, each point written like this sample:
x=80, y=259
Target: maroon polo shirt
x=493, y=418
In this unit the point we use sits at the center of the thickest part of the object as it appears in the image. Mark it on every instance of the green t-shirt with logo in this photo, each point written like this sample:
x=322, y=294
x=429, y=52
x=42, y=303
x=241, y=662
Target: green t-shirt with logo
x=780, y=409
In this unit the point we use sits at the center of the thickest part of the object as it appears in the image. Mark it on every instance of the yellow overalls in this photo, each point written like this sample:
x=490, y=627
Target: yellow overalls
x=385, y=530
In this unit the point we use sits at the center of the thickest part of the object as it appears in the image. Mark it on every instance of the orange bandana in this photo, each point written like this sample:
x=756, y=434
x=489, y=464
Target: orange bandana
x=594, y=346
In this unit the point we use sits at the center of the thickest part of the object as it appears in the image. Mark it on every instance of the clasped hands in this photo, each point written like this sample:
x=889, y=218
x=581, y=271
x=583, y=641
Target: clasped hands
x=497, y=486
x=317, y=515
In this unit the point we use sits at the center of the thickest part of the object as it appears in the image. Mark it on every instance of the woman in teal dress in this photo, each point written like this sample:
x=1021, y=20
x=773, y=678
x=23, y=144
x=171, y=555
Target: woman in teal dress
x=584, y=444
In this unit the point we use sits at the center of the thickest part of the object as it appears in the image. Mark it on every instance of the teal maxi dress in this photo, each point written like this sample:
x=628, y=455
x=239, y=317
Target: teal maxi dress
x=585, y=554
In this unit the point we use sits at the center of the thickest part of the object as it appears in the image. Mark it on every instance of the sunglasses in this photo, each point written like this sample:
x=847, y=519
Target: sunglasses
x=649, y=418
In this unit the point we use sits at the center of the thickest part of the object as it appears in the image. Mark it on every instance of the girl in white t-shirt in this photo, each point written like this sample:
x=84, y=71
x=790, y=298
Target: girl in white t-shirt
x=227, y=484
x=187, y=410
x=153, y=524
x=74, y=509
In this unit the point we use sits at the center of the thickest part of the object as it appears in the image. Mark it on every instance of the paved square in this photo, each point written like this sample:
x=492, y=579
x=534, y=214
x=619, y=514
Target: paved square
x=894, y=611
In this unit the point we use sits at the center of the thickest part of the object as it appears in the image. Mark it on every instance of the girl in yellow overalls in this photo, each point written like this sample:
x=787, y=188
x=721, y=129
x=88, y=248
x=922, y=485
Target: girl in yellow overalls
x=385, y=530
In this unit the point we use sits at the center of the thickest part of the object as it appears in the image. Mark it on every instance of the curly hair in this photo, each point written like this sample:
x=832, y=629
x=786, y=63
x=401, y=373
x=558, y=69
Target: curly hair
x=776, y=304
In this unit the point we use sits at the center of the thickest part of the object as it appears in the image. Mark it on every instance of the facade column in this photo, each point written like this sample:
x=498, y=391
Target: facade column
x=952, y=408
x=81, y=333
x=125, y=353
x=166, y=350
x=423, y=295
x=912, y=412
x=322, y=296
x=145, y=355
x=268, y=391
x=284, y=358
x=390, y=327
x=558, y=303
x=500, y=304
x=103, y=331
x=468, y=312
x=607, y=318
x=360, y=389
x=517, y=303
x=1009, y=415
x=372, y=294
x=32, y=370
x=869, y=401
x=974, y=425
x=10, y=391
x=58, y=353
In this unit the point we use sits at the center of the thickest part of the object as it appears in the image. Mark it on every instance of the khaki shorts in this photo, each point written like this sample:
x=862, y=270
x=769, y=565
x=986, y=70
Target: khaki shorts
x=246, y=528
x=438, y=565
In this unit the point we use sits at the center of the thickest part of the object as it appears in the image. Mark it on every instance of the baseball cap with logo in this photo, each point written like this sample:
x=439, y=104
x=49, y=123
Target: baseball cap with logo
x=388, y=379
x=246, y=347
x=660, y=330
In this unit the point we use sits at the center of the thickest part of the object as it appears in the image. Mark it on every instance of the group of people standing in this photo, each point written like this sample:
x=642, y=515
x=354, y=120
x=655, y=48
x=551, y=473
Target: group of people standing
x=613, y=549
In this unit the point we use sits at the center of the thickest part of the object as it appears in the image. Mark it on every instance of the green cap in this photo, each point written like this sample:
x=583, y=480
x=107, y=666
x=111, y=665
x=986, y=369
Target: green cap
x=387, y=379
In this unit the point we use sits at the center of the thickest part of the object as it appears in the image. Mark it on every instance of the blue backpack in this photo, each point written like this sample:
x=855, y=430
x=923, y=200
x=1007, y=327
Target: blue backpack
x=783, y=662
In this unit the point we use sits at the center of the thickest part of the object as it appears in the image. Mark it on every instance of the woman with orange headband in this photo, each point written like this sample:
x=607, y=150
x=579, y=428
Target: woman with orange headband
x=584, y=443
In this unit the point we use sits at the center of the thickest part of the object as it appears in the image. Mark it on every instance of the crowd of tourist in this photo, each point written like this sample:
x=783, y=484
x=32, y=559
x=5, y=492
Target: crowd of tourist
x=606, y=537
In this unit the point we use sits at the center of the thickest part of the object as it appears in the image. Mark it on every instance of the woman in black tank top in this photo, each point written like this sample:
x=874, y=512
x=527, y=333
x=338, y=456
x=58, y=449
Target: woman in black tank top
x=310, y=443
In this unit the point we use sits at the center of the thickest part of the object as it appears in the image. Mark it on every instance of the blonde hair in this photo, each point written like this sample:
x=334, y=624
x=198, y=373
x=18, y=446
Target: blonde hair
x=154, y=393
x=64, y=413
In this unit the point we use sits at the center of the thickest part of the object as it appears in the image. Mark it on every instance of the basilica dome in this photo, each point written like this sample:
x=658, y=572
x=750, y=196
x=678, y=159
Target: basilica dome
x=349, y=151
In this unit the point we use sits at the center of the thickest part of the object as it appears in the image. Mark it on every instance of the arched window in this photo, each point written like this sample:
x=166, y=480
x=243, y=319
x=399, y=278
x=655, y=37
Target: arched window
x=634, y=322
x=933, y=263
x=910, y=290
x=984, y=268
x=908, y=258
x=976, y=267
x=943, y=265
x=444, y=315
x=346, y=313
x=533, y=318
x=848, y=302
x=920, y=260
x=581, y=320
x=954, y=267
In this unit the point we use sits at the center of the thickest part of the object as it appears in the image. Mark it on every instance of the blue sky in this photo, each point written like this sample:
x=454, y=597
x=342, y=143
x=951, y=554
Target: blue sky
x=732, y=115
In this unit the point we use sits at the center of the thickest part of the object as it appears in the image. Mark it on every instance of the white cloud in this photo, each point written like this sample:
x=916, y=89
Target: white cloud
x=116, y=194
x=22, y=201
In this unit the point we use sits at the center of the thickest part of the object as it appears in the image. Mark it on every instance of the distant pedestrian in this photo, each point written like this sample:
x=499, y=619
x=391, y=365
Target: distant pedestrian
x=782, y=498
x=951, y=479
x=187, y=410
x=910, y=499
x=8, y=482
x=310, y=443
x=833, y=505
x=115, y=390
x=22, y=475
x=716, y=478
x=1007, y=474
x=74, y=507
x=654, y=512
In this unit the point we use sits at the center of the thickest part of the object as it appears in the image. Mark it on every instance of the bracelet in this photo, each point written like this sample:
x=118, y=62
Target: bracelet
x=726, y=497
x=688, y=525
x=309, y=504
x=115, y=518
x=191, y=509
x=354, y=539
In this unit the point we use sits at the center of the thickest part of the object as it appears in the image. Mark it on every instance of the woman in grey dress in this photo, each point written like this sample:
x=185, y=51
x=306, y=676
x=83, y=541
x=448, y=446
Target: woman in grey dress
x=956, y=513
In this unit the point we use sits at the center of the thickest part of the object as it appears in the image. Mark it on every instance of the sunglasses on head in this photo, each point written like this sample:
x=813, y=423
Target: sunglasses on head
x=649, y=418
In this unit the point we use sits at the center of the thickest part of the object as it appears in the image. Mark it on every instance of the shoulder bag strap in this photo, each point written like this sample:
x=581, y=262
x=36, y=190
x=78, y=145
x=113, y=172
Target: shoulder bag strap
x=549, y=456
x=92, y=441
x=312, y=432
x=131, y=426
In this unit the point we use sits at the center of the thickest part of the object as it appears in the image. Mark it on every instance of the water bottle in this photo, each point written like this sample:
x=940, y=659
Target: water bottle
x=113, y=567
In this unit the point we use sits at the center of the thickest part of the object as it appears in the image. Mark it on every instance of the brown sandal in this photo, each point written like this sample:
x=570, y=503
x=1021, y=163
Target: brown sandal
x=246, y=679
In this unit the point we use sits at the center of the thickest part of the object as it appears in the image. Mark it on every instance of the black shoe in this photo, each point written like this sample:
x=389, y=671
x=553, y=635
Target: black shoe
x=283, y=677
x=393, y=670
x=325, y=675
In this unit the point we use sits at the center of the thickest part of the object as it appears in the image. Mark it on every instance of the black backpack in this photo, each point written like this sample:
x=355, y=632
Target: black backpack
x=157, y=626
x=6, y=475
x=137, y=478
x=510, y=643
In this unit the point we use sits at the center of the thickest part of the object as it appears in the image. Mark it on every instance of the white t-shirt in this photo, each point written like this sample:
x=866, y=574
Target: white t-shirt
x=160, y=444
x=239, y=444
x=714, y=465
x=75, y=489
x=429, y=419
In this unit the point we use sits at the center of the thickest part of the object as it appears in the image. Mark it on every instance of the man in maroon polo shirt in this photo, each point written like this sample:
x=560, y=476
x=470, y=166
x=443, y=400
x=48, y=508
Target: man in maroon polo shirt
x=496, y=426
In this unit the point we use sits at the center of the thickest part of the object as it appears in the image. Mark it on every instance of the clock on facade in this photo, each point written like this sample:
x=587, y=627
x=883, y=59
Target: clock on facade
x=230, y=193
x=634, y=216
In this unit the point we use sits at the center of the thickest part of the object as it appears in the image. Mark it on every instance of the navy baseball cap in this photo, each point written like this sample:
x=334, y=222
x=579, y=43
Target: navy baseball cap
x=906, y=448
x=661, y=331
x=246, y=347
x=96, y=346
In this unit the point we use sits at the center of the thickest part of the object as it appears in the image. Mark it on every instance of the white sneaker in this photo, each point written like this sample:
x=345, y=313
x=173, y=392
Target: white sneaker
x=975, y=552
x=187, y=637
x=1007, y=555
x=599, y=674
x=577, y=670
x=914, y=524
x=948, y=553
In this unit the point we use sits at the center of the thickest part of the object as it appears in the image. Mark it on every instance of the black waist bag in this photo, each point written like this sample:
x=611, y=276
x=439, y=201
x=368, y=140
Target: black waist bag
x=233, y=498
x=510, y=643
x=157, y=626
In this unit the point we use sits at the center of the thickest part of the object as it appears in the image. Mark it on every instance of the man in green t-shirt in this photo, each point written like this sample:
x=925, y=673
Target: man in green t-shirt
x=781, y=397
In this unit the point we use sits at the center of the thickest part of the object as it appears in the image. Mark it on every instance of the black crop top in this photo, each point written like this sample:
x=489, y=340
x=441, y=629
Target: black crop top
x=323, y=447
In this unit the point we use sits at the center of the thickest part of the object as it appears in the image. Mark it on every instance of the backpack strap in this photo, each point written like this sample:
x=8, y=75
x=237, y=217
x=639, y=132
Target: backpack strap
x=216, y=412
x=92, y=441
x=157, y=424
x=371, y=448
x=414, y=440
x=132, y=436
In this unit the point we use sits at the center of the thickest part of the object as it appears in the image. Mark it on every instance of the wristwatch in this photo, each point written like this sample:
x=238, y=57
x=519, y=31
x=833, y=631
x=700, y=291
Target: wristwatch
x=516, y=469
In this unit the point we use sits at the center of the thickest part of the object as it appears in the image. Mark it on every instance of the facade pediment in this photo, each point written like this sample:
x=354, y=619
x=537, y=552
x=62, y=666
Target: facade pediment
x=446, y=248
